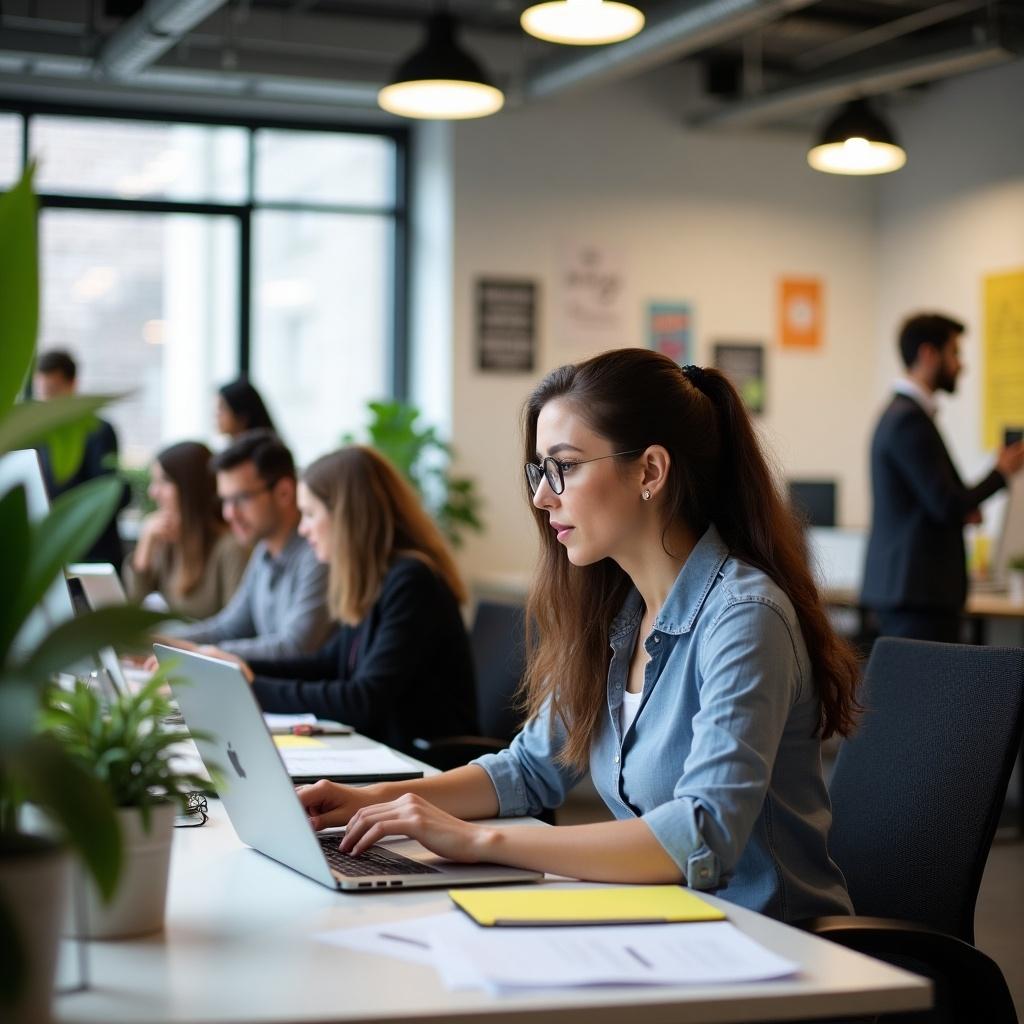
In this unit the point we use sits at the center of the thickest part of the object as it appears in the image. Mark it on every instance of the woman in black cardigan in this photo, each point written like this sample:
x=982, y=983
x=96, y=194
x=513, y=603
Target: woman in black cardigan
x=400, y=665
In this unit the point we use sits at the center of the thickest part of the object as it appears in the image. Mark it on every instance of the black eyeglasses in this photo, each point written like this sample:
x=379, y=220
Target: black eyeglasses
x=554, y=471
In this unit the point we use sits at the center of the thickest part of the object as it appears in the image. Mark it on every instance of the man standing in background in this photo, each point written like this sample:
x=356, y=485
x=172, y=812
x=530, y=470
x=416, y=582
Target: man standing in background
x=56, y=376
x=915, y=576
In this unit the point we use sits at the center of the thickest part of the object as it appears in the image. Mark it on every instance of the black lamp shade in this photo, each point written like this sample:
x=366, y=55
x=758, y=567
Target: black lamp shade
x=857, y=120
x=440, y=58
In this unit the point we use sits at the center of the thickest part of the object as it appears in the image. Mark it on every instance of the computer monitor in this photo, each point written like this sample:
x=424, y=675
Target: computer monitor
x=21, y=468
x=815, y=500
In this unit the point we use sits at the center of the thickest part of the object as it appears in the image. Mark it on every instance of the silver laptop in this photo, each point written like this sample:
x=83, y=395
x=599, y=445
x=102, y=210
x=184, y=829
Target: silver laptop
x=260, y=799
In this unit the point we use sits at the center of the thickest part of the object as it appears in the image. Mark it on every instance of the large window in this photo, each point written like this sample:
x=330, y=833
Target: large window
x=176, y=255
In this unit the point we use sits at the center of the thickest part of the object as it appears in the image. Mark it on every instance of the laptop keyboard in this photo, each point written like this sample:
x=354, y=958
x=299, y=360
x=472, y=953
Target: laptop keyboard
x=376, y=861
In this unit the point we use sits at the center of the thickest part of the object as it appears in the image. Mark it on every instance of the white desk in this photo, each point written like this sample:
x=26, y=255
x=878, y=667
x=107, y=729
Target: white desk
x=239, y=947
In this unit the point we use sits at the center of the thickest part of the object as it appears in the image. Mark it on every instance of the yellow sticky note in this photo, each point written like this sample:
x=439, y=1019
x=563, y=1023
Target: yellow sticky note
x=295, y=742
x=540, y=905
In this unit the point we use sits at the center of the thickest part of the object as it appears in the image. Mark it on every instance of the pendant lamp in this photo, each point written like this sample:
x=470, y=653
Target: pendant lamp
x=582, y=22
x=857, y=141
x=440, y=80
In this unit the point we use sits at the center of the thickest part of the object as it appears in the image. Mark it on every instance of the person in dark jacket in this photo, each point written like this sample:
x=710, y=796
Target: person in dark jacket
x=400, y=666
x=56, y=376
x=915, y=576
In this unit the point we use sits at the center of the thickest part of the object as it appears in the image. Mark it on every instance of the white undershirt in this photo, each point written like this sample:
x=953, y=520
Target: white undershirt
x=630, y=706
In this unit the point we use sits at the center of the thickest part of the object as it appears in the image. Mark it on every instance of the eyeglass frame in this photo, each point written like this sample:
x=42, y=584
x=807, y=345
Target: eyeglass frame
x=244, y=497
x=559, y=465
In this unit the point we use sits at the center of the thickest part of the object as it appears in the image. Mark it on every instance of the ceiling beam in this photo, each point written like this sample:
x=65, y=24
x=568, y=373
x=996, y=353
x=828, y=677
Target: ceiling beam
x=673, y=30
x=918, y=66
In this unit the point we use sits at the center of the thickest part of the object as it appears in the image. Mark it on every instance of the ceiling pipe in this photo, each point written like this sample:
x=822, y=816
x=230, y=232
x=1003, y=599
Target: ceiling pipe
x=923, y=67
x=149, y=34
x=672, y=31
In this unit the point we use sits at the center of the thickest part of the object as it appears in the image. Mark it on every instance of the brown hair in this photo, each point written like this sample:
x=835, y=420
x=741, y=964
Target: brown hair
x=375, y=515
x=187, y=466
x=636, y=398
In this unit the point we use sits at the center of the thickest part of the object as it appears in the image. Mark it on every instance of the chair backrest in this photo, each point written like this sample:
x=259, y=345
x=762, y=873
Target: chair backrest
x=917, y=791
x=498, y=644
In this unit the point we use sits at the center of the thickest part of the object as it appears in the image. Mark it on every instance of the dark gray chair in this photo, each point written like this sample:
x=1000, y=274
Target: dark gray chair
x=497, y=642
x=916, y=795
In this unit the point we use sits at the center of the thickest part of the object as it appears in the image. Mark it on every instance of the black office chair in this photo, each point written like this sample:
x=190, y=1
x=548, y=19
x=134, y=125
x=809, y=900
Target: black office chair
x=497, y=643
x=916, y=797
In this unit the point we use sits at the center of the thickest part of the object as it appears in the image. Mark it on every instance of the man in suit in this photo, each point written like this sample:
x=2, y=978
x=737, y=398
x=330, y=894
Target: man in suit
x=915, y=577
x=56, y=376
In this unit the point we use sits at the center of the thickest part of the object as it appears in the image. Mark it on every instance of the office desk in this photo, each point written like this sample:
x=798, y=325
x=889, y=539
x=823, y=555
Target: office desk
x=239, y=947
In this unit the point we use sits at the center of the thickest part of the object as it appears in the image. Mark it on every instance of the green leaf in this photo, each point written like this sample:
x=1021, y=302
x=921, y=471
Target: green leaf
x=30, y=424
x=117, y=627
x=80, y=805
x=14, y=548
x=75, y=520
x=66, y=445
x=19, y=285
x=19, y=707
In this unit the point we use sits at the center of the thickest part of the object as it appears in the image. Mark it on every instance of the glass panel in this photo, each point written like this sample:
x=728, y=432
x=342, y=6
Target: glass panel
x=321, y=330
x=147, y=304
x=10, y=149
x=139, y=159
x=324, y=167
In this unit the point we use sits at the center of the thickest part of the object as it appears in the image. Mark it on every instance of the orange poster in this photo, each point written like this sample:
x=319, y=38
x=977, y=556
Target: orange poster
x=801, y=312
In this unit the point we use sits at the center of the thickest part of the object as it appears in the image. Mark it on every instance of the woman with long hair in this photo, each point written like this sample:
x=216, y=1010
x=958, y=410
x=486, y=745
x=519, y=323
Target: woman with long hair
x=680, y=650
x=240, y=407
x=185, y=551
x=400, y=666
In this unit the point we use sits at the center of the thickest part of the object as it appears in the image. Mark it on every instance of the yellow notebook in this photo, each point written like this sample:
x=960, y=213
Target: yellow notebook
x=297, y=742
x=633, y=904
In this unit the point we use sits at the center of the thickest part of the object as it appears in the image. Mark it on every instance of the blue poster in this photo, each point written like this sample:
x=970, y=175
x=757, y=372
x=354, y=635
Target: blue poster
x=670, y=330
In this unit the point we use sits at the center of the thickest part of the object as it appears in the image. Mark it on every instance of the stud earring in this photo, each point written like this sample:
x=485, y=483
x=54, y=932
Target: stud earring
x=646, y=495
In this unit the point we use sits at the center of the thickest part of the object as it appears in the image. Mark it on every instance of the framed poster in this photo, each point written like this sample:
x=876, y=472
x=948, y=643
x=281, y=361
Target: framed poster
x=670, y=330
x=743, y=364
x=801, y=313
x=506, y=324
x=592, y=289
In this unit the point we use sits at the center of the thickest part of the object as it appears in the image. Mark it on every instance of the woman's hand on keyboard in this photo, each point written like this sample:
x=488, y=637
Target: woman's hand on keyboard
x=416, y=817
x=329, y=804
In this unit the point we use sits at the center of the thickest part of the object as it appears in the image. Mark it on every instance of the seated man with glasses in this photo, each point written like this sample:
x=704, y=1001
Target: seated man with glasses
x=279, y=609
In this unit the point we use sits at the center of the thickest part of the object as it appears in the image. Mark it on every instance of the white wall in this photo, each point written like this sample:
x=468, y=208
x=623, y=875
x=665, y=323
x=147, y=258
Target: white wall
x=954, y=214
x=710, y=218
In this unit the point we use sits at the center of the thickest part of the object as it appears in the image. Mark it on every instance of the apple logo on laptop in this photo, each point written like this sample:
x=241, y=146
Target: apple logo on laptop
x=235, y=763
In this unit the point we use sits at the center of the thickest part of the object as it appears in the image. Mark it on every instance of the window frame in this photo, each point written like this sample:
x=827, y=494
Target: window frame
x=397, y=356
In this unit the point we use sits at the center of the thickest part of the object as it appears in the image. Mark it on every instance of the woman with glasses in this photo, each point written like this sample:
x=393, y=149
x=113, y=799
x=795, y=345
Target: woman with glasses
x=185, y=552
x=680, y=652
x=400, y=666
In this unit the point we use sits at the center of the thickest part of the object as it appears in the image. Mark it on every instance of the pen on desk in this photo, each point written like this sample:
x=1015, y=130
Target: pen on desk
x=636, y=956
x=405, y=939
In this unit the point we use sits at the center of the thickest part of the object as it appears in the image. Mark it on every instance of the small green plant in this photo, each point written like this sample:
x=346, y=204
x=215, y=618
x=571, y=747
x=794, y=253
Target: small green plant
x=1016, y=563
x=137, y=479
x=123, y=743
x=424, y=459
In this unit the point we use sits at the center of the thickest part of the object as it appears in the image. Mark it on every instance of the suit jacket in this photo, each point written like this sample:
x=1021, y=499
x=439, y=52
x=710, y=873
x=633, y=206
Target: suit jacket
x=915, y=556
x=405, y=671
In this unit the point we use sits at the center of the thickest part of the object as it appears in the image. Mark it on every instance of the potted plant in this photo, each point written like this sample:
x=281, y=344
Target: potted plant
x=1015, y=578
x=125, y=744
x=424, y=459
x=33, y=765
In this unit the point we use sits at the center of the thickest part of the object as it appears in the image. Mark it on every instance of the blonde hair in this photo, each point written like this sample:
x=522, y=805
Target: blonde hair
x=375, y=516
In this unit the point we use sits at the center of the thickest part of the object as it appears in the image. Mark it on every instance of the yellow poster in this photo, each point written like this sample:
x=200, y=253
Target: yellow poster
x=800, y=313
x=1003, y=355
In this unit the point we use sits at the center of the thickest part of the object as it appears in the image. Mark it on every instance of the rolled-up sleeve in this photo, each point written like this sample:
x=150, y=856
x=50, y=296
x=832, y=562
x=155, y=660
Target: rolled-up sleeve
x=526, y=777
x=750, y=676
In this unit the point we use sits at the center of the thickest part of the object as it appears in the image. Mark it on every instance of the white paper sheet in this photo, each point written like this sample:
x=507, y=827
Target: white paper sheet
x=327, y=762
x=285, y=723
x=500, y=959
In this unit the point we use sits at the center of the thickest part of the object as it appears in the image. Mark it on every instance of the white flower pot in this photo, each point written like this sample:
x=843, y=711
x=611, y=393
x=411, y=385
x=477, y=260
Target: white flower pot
x=33, y=889
x=138, y=904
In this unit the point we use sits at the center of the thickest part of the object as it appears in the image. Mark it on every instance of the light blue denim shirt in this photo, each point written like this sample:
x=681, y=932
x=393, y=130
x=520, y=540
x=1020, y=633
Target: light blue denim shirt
x=721, y=761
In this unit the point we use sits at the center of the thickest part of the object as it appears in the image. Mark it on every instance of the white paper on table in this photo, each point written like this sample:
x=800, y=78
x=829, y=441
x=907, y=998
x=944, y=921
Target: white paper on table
x=285, y=723
x=663, y=954
x=500, y=959
x=327, y=761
